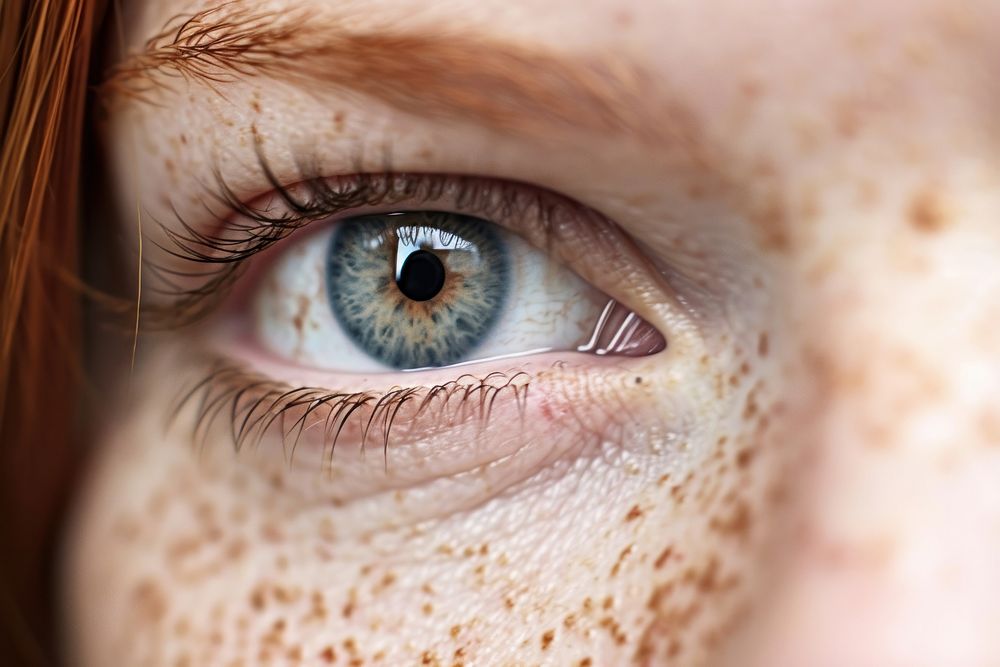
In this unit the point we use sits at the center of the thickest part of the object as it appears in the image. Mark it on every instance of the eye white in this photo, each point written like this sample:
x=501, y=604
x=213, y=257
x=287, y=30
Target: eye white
x=547, y=307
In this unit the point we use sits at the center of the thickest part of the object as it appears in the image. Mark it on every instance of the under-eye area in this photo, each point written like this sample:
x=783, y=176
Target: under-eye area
x=374, y=433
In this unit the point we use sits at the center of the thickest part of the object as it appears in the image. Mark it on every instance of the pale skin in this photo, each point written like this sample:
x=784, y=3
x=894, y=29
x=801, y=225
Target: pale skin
x=807, y=476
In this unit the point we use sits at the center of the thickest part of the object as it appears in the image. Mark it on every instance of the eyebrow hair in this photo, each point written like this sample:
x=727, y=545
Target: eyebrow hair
x=502, y=84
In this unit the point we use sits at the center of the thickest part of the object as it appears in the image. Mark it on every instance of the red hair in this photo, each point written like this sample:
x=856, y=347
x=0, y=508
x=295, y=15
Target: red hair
x=45, y=49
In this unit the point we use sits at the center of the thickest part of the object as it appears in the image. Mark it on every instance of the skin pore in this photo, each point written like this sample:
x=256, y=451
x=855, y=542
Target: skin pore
x=803, y=200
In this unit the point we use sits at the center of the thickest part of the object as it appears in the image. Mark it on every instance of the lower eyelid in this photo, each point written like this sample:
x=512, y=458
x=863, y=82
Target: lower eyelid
x=448, y=424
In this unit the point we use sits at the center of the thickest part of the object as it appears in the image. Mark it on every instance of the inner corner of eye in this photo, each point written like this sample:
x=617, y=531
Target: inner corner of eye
x=417, y=289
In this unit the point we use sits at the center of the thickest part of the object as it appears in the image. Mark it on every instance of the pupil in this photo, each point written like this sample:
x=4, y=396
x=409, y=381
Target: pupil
x=422, y=276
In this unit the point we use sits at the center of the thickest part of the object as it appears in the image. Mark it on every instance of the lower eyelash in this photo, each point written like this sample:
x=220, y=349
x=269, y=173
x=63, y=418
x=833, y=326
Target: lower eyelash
x=256, y=406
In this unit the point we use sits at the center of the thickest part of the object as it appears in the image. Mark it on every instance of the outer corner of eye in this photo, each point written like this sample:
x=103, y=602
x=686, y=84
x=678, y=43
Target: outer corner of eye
x=425, y=289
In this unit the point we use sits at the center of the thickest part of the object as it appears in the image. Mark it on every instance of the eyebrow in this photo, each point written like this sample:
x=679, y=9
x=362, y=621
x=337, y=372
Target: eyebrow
x=506, y=85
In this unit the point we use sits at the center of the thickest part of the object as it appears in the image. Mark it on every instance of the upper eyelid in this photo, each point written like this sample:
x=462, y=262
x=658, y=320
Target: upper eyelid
x=223, y=241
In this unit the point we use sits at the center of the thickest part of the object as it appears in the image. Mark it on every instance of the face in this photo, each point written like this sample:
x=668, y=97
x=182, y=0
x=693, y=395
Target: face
x=488, y=333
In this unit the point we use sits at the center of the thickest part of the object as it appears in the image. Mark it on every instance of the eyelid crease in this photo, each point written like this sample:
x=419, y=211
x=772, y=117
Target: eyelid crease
x=256, y=405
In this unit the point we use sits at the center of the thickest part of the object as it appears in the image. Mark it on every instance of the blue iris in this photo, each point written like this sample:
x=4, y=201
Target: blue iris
x=417, y=289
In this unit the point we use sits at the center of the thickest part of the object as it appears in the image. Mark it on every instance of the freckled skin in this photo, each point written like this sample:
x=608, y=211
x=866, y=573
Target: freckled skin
x=807, y=477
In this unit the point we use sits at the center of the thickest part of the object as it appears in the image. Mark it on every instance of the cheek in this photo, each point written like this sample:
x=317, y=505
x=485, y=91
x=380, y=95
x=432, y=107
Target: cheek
x=191, y=555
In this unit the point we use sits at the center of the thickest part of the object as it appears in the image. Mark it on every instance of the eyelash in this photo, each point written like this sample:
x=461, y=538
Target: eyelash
x=228, y=249
x=256, y=405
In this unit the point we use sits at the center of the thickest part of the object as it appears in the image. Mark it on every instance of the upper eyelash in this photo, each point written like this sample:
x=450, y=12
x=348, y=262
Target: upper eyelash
x=231, y=242
x=255, y=405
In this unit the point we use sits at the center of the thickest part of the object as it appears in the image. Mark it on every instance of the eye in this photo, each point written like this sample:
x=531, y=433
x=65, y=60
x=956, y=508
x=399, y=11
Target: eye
x=421, y=289
x=346, y=333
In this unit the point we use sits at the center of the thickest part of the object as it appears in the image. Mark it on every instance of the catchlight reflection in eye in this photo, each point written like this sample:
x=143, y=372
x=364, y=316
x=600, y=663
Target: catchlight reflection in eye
x=420, y=289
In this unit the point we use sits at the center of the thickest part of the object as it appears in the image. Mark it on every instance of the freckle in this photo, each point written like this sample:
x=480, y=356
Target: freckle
x=677, y=493
x=763, y=344
x=338, y=120
x=771, y=221
x=989, y=427
x=633, y=513
x=663, y=480
x=455, y=630
x=184, y=139
x=623, y=18
x=272, y=533
x=736, y=524
x=287, y=595
x=428, y=609
x=751, y=89
x=745, y=457
x=664, y=556
x=868, y=193
x=255, y=105
x=547, y=638
x=926, y=212
x=158, y=503
x=150, y=600
x=614, y=629
x=695, y=191
x=585, y=662
x=507, y=602
x=387, y=580
x=846, y=119
x=569, y=621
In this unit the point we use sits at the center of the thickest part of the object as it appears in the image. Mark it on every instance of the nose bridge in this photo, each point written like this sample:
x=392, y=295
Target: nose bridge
x=892, y=556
